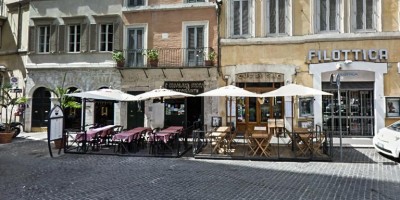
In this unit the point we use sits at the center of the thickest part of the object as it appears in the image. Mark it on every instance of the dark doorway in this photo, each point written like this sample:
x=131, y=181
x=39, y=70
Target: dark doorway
x=73, y=115
x=194, y=111
x=135, y=113
x=40, y=107
x=103, y=112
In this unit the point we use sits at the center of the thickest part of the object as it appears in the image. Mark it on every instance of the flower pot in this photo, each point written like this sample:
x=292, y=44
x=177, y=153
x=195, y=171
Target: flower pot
x=121, y=64
x=153, y=63
x=209, y=63
x=59, y=143
x=6, y=137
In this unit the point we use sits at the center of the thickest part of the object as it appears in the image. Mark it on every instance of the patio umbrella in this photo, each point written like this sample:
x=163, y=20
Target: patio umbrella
x=161, y=93
x=105, y=94
x=229, y=91
x=292, y=90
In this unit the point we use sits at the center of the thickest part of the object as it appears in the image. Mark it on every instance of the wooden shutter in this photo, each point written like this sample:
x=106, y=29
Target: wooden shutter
x=93, y=37
x=61, y=39
x=117, y=36
x=53, y=38
x=84, y=37
x=32, y=39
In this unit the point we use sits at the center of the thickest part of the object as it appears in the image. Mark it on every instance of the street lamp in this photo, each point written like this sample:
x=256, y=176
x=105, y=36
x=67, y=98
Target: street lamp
x=336, y=81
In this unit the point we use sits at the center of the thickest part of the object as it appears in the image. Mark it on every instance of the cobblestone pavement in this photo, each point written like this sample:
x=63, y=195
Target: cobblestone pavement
x=28, y=172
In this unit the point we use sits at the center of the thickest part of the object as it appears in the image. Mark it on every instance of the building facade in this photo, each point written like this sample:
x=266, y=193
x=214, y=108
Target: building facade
x=269, y=43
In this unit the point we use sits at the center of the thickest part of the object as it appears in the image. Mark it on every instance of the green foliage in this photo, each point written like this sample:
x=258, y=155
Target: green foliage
x=63, y=100
x=118, y=56
x=211, y=55
x=9, y=101
x=152, y=54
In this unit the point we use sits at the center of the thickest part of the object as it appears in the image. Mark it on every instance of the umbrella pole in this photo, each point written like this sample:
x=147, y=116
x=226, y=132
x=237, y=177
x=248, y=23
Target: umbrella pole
x=293, y=124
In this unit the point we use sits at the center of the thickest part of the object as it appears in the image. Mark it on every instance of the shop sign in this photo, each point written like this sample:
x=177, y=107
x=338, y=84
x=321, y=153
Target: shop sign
x=190, y=87
x=348, y=54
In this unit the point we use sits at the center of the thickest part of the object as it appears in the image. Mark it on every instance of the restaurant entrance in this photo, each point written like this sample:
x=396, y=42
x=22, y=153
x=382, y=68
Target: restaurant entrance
x=252, y=111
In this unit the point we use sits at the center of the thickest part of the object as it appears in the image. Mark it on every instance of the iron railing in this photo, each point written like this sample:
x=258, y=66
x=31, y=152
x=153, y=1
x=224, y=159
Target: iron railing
x=169, y=57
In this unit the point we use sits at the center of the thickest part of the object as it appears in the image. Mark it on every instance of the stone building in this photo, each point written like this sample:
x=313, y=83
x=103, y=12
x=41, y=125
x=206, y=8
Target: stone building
x=269, y=43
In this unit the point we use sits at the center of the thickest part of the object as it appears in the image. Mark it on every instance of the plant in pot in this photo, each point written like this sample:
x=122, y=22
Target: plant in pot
x=118, y=57
x=152, y=57
x=210, y=58
x=65, y=102
x=8, y=101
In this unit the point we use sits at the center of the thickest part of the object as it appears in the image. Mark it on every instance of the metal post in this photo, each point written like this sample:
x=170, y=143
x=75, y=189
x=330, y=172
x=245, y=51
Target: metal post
x=337, y=81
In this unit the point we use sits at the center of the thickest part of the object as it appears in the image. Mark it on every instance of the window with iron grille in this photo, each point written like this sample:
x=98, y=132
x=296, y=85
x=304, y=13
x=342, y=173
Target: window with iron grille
x=135, y=47
x=365, y=15
x=241, y=17
x=106, y=37
x=327, y=18
x=277, y=17
x=74, y=38
x=44, y=39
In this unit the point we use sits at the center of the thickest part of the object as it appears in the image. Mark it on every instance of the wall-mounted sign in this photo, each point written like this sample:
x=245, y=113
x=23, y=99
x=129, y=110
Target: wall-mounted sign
x=349, y=54
x=190, y=87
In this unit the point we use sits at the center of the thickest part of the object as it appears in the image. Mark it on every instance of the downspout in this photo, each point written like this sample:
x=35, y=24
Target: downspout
x=19, y=38
x=219, y=39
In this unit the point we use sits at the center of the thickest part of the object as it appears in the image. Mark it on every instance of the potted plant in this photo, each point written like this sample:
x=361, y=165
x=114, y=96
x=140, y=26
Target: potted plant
x=118, y=57
x=210, y=58
x=8, y=101
x=152, y=57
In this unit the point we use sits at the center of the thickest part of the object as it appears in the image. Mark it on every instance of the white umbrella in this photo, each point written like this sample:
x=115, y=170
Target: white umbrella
x=161, y=93
x=294, y=90
x=105, y=94
x=229, y=91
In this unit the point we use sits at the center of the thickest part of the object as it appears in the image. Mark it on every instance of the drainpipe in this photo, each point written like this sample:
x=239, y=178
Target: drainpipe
x=219, y=5
x=19, y=38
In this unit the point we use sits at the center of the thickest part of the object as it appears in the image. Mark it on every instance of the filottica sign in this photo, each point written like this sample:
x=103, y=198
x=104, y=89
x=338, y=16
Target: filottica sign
x=346, y=54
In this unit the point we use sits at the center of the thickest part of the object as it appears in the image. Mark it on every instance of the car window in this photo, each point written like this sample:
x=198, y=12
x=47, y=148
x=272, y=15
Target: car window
x=395, y=126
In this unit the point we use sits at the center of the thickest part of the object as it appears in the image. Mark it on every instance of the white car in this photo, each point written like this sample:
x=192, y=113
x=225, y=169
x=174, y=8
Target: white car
x=387, y=141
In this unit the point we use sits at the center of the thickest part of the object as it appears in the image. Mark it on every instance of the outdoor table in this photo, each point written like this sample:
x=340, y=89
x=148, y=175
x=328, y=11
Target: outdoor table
x=262, y=140
x=165, y=135
x=306, y=138
x=91, y=135
x=129, y=136
x=219, y=135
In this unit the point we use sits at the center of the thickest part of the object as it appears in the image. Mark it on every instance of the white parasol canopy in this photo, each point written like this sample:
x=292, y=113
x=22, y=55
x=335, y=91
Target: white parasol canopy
x=294, y=90
x=161, y=93
x=229, y=91
x=105, y=94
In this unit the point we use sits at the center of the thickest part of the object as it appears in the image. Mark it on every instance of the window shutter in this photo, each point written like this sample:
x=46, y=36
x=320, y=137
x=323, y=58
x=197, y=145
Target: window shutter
x=288, y=21
x=117, y=35
x=32, y=39
x=53, y=38
x=84, y=37
x=61, y=38
x=93, y=37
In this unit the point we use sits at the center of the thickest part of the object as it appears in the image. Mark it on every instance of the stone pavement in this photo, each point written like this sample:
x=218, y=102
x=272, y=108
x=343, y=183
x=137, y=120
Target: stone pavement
x=28, y=172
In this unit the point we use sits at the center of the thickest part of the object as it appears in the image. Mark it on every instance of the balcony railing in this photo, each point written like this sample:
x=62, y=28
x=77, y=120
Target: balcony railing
x=169, y=57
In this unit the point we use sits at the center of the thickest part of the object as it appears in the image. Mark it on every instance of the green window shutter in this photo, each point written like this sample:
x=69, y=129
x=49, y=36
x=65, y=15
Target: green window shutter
x=53, y=38
x=61, y=39
x=93, y=37
x=32, y=39
x=117, y=36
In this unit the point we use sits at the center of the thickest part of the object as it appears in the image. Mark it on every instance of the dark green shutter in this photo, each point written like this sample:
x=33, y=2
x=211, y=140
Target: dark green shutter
x=53, y=38
x=32, y=39
x=84, y=38
x=117, y=36
x=61, y=38
x=93, y=37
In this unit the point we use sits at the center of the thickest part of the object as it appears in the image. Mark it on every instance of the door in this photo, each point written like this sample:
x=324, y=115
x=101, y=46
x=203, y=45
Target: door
x=135, y=47
x=135, y=113
x=195, y=45
x=40, y=107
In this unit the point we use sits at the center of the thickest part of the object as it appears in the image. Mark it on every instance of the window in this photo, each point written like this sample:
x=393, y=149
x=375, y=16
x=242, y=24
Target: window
x=365, y=15
x=74, y=38
x=195, y=1
x=327, y=15
x=277, y=17
x=306, y=107
x=133, y=3
x=135, y=47
x=44, y=39
x=106, y=37
x=241, y=17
